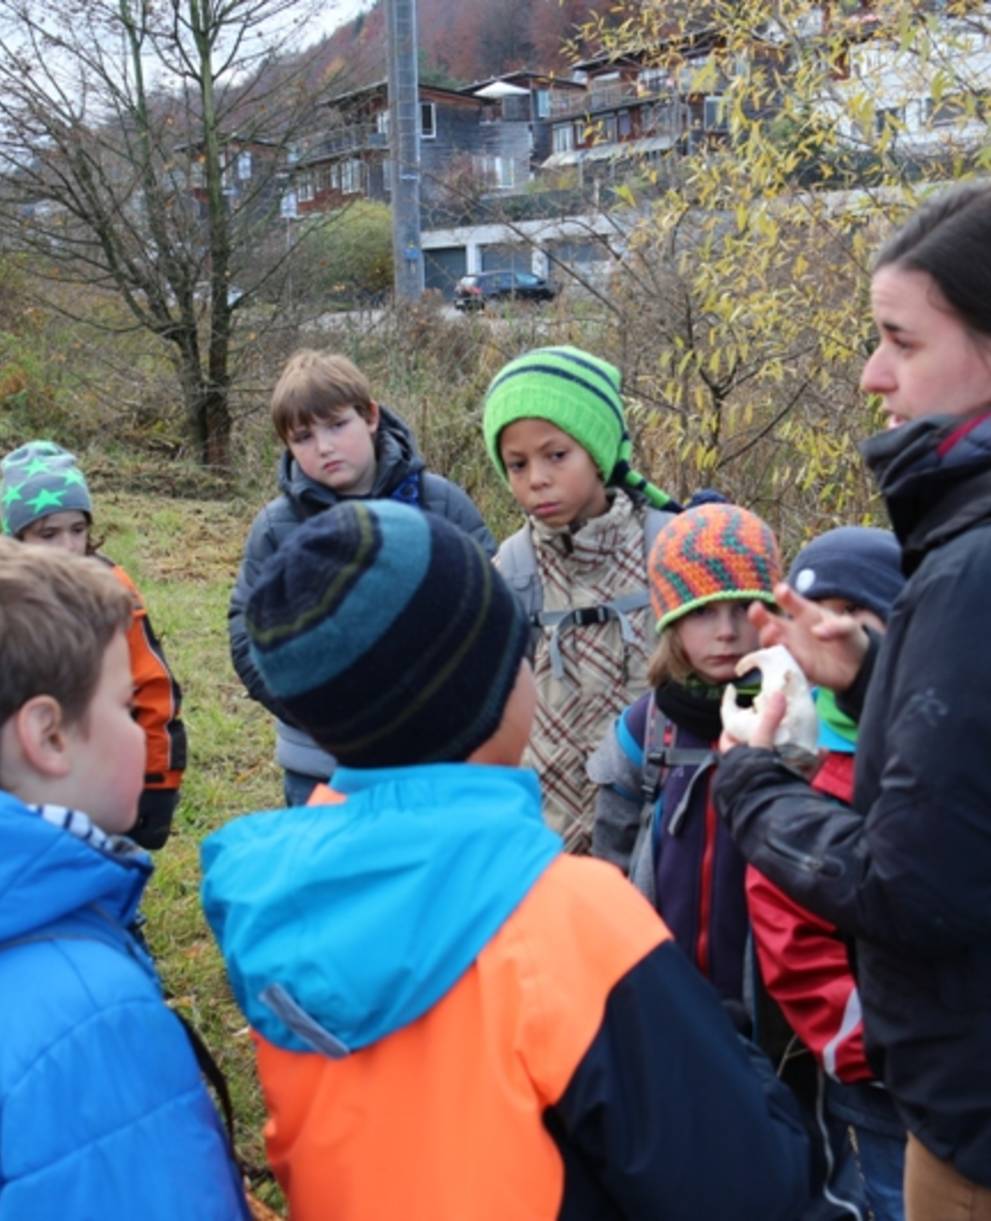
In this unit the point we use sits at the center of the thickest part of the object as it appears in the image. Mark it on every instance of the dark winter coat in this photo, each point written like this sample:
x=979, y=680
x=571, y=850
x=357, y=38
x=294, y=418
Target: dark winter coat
x=907, y=872
x=400, y=475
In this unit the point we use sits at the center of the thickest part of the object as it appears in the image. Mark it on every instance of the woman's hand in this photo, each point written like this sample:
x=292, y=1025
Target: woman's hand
x=771, y=716
x=829, y=647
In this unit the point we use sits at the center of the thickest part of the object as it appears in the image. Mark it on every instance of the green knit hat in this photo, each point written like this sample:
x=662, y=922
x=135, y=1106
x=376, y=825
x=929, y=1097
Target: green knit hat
x=576, y=392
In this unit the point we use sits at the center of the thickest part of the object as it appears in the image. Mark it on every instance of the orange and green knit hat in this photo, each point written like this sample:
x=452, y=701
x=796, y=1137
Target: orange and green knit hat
x=716, y=552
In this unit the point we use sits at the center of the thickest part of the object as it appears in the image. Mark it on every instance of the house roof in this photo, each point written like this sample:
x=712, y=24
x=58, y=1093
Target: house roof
x=614, y=151
x=501, y=89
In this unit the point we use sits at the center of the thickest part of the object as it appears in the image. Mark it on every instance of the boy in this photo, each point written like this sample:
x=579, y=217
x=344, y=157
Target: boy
x=556, y=431
x=340, y=444
x=103, y=1110
x=454, y=1021
x=46, y=501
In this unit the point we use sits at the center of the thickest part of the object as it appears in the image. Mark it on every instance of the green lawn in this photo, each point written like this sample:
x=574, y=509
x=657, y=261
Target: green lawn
x=183, y=555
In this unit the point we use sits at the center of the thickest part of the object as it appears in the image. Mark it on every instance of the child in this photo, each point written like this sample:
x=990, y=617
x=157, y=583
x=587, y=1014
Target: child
x=340, y=444
x=45, y=500
x=450, y=1014
x=803, y=959
x=103, y=1110
x=555, y=429
x=706, y=566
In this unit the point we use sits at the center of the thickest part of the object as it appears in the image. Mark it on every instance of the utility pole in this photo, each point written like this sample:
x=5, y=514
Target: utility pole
x=404, y=149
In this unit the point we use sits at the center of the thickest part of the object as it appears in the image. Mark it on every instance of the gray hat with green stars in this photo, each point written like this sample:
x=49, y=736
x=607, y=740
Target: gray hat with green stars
x=40, y=478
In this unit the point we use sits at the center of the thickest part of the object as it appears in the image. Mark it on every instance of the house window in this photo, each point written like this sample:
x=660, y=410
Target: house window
x=428, y=118
x=888, y=117
x=609, y=129
x=951, y=108
x=304, y=188
x=244, y=166
x=652, y=80
x=351, y=177
x=382, y=122
x=714, y=116
x=624, y=125
x=564, y=138
x=542, y=102
x=497, y=171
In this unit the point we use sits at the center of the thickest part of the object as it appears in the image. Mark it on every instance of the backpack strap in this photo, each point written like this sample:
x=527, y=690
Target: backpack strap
x=518, y=566
x=661, y=753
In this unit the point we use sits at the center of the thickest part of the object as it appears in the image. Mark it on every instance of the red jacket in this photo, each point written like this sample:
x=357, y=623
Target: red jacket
x=804, y=962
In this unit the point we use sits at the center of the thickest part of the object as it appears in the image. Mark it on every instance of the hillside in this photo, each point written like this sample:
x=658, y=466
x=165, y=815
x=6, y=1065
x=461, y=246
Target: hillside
x=460, y=40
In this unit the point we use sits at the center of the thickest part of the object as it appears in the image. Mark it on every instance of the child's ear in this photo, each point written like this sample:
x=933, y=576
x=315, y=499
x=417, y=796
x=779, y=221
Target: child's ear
x=40, y=733
x=374, y=415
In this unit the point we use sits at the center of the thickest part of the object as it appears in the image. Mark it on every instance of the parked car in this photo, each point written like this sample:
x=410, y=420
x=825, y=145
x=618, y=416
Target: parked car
x=472, y=292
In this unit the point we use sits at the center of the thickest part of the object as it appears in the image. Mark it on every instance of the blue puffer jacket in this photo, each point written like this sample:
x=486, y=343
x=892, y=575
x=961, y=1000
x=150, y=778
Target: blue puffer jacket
x=103, y=1114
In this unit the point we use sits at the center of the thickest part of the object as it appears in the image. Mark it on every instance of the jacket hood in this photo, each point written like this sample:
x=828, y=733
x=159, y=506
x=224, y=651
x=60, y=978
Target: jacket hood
x=396, y=458
x=935, y=476
x=47, y=873
x=342, y=923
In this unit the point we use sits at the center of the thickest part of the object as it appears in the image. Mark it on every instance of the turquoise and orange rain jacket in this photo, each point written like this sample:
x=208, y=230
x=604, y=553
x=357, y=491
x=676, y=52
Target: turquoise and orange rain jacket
x=457, y=1022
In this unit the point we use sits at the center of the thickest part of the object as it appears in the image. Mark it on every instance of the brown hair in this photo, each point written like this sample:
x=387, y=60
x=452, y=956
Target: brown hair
x=314, y=386
x=58, y=614
x=669, y=661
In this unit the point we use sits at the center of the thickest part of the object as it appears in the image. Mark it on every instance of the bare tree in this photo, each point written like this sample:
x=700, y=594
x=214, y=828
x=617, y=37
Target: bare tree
x=145, y=146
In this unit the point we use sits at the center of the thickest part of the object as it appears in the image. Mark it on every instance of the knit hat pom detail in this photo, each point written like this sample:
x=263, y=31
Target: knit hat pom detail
x=860, y=564
x=576, y=392
x=715, y=552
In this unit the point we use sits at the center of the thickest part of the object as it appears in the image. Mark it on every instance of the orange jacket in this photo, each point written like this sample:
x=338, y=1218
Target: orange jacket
x=157, y=697
x=580, y=1068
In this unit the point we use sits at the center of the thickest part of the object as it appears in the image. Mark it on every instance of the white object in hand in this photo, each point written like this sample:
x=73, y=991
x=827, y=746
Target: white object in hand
x=797, y=736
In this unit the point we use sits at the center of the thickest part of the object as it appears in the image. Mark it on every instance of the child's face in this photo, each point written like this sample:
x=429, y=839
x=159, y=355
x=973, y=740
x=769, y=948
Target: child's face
x=338, y=451
x=68, y=530
x=107, y=748
x=550, y=474
x=865, y=617
x=714, y=637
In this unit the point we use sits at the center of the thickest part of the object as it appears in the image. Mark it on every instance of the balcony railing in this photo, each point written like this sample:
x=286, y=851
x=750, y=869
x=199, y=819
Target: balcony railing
x=613, y=97
x=342, y=140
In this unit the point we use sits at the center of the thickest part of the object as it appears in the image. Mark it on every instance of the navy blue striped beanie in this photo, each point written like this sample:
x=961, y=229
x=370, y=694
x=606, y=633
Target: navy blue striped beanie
x=387, y=635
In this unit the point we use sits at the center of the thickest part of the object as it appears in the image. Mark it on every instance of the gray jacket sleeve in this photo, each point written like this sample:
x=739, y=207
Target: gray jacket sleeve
x=618, y=803
x=442, y=496
x=260, y=545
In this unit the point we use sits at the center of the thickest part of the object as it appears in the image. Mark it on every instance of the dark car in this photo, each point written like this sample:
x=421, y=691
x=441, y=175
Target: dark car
x=472, y=292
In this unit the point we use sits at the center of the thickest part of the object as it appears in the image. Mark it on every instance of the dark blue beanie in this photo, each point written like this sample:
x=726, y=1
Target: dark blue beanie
x=387, y=635
x=859, y=563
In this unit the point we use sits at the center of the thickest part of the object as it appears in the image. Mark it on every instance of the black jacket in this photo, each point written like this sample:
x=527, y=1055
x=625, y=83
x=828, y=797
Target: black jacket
x=400, y=474
x=907, y=872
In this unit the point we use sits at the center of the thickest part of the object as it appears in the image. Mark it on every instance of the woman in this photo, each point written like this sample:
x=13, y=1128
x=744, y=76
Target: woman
x=906, y=873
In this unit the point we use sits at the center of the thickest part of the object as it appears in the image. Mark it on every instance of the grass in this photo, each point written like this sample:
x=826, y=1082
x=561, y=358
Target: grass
x=184, y=555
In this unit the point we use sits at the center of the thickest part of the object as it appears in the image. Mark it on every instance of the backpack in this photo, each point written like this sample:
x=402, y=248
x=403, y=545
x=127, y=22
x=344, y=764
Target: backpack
x=660, y=754
x=518, y=567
